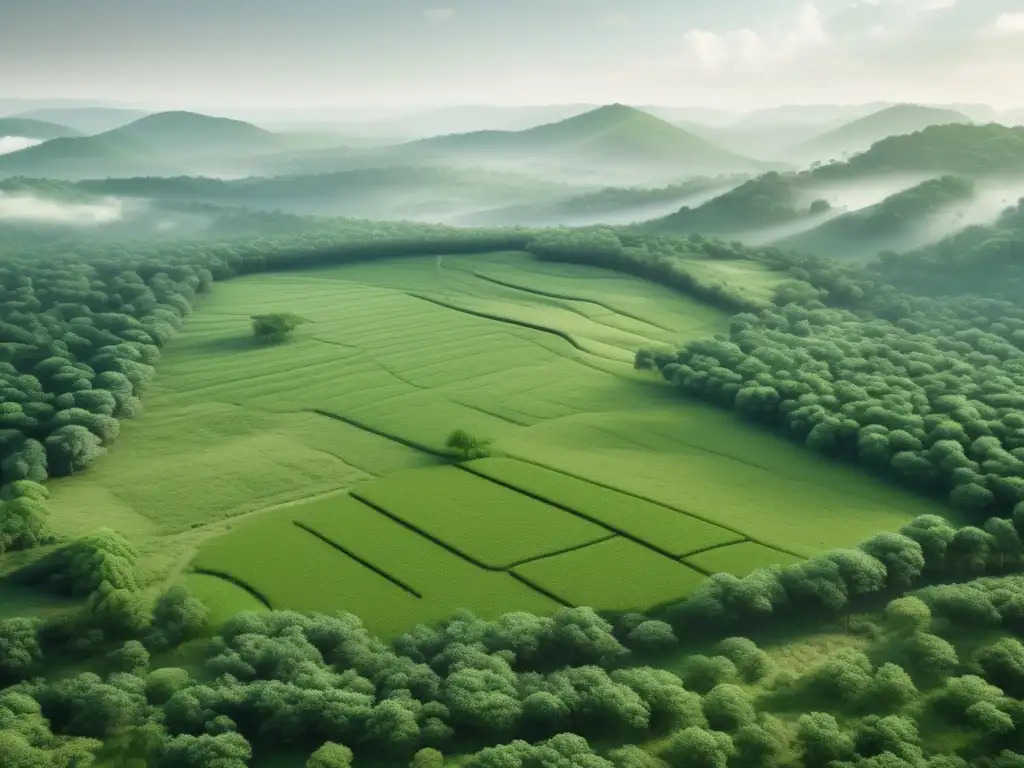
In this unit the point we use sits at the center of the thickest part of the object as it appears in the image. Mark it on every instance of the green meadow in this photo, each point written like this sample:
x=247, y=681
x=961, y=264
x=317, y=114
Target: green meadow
x=237, y=473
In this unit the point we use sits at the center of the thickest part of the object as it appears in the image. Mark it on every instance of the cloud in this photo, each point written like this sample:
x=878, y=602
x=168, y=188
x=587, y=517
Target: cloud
x=10, y=144
x=1009, y=23
x=746, y=49
x=439, y=14
x=22, y=207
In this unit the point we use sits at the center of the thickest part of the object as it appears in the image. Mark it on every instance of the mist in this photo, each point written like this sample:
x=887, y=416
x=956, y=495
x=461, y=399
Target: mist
x=10, y=144
x=30, y=208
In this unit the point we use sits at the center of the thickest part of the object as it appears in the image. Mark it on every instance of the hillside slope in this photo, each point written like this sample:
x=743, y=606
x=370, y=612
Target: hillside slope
x=860, y=134
x=613, y=144
x=968, y=150
x=34, y=129
x=768, y=200
x=87, y=120
x=892, y=224
x=159, y=144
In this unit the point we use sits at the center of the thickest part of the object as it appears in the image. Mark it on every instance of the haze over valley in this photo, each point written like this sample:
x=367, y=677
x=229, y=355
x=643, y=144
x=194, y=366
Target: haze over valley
x=512, y=385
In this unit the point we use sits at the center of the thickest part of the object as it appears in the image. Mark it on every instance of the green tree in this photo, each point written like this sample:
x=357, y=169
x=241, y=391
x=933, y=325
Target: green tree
x=467, y=445
x=330, y=755
x=276, y=327
x=427, y=758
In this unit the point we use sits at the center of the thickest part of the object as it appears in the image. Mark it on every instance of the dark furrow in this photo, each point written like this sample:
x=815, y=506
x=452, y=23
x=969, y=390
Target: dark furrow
x=497, y=318
x=565, y=297
x=563, y=551
x=509, y=419
x=540, y=589
x=583, y=515
x=702, y=550
x=649, y=500
x=237, y=582
x=425, y=534
x=365, y=563
x=380, y=433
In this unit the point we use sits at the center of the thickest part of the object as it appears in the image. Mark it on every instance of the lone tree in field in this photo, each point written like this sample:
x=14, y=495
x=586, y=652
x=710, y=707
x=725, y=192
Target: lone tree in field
x=276, y=327
x=469, y=446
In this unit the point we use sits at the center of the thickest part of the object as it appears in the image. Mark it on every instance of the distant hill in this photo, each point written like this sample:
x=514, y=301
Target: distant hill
x=771, y=199
x=860, y=134
x=87, y=120
x=611, y=205
x=402, y=192
x=71, y=158
x=614, y=135
x=34, y=129
x=984, y=260
x=967, y=150
x=191, y=133
x=159, y=144
x=889, y=225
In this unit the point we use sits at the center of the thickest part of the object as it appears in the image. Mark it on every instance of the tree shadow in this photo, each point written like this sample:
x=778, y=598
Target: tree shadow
x=231, y=344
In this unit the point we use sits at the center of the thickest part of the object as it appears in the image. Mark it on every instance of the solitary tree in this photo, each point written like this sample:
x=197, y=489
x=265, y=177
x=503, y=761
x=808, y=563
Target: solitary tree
x=469, y=446
x=276, y=327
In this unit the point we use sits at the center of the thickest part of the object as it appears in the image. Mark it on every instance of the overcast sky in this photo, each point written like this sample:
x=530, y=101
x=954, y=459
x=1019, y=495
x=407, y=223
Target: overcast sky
x=327, y=53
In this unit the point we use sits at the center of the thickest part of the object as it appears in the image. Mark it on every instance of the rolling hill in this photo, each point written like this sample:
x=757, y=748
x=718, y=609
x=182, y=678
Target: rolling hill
x=88, y=120
x=34, y=129
x=860, y=134
x=896, y=223
x=968, y=150
x=611, y=205
x=769, y=200
x=614, y=144
x=159, y=144
x=395, y=192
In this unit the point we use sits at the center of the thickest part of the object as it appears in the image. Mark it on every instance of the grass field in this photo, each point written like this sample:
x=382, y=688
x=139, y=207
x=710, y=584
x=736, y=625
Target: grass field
x=397, y=355
x=613, y=575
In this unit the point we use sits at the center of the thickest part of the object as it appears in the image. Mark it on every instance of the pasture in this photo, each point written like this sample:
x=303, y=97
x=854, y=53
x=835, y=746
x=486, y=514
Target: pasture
x=241, y=442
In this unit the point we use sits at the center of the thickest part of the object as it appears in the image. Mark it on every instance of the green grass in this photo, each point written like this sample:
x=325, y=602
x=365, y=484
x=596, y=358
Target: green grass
x=222, y=597
x=484, y=521
x=291, y=568
x=739, y=559
x=660, y=527
x=233, y=428
x=446, y=581
x=613, y=575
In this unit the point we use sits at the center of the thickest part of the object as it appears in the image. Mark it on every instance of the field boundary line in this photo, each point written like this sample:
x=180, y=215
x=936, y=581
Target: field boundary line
x=563, y=551
x=540, y=590
x=425, y=534
x=380, y=433
x=652, y=501
x=702, y=550
x=509, y=419
x=363, y=562
x=583, y=515
x=237, y=582
x=566, y=297
x=568, y=338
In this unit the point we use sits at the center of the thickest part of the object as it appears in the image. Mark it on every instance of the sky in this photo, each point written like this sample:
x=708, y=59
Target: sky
x=730, y=54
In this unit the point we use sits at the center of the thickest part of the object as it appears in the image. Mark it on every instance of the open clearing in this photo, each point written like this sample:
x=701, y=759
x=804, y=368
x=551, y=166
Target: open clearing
x=398, y=354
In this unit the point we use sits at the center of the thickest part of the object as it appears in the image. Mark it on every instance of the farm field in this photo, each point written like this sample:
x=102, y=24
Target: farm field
x=237, y=437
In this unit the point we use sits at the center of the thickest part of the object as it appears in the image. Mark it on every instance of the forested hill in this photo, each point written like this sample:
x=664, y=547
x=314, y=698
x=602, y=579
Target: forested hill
x=772, y=198
x=983, y=260
x=611, y=134
x=969, y=150
x=860, y=134
x=884, y=225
